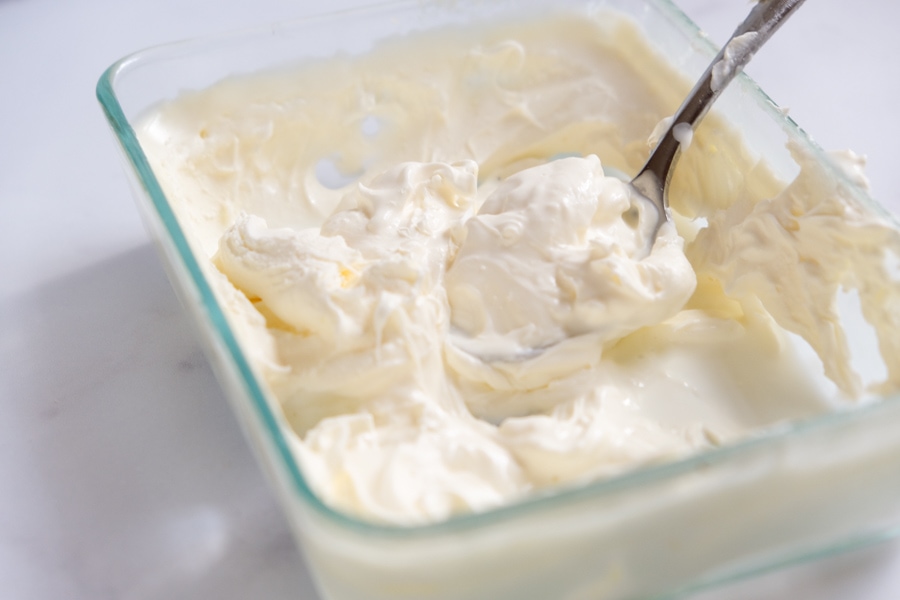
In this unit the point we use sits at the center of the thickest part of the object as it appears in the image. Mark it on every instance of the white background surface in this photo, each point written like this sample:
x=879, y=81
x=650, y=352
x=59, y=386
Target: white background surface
x=123, y=472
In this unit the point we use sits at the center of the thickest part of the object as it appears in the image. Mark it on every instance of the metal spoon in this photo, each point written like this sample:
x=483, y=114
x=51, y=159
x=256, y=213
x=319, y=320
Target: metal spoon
x=652, y=181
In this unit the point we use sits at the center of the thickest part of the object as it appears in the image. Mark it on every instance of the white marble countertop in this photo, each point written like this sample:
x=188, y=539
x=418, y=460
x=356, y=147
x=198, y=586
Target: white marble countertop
x=124, y=473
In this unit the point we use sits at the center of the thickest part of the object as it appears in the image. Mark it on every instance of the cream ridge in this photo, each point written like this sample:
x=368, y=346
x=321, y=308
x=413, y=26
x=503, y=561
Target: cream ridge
x=454, y=302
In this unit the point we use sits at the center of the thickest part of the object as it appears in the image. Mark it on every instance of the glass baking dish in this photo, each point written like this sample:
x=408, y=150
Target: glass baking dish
x=794, y=491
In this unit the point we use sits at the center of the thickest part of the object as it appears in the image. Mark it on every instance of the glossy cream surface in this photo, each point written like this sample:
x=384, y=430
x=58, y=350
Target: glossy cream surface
x=453, y=302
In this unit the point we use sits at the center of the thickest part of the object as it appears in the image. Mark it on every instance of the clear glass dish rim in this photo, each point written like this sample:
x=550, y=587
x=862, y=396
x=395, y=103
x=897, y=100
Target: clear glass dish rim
x=115, y=115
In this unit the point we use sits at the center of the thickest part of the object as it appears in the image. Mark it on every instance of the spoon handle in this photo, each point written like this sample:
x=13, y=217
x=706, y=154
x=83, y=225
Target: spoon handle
x=764, y=20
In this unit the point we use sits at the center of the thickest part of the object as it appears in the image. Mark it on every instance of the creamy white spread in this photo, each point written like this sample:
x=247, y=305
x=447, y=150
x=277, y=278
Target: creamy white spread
x=560, y=251
x=453, y=304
